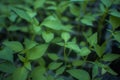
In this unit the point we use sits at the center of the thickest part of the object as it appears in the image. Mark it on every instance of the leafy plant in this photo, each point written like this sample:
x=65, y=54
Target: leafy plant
x=58, y=40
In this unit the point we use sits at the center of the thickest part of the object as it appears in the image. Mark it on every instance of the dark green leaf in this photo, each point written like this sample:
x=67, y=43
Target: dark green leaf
x=20, y=73
x=7, y=67
x=6, y=54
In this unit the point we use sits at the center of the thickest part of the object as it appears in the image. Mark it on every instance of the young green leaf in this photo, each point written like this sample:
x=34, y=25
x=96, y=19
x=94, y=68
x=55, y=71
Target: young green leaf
x=79, y=74
x=85, y=51
x=37, y=52
x=53, y=23
x=71, y=45
x=47, y=36
x=92, y=39
x=65, y=36
x=54, y=65
x=53, y=56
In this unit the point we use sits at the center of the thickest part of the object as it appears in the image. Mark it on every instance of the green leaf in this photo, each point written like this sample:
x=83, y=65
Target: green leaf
x=53, y=23
x=85, y=51
x=110, y=57
x=79, y=74
x=107, y=3
x=92, y=39
x=49, y=77
x=62, y=6
x=37, y=52
x=109, y=70
x=39, y=3
x=65, y=36
x=27, y=65
x=29, y=44
x=7, y=67
x=23, y=14
x=71, y=45
x=75, y=10
x=115, y=13
x=88, y=19
x=36, y=29
x=17, y=28
x=100, y=49
x=95, y=71
x=60, y=70
x=38, y=73
x=47, y=36
x=6, y=54
x=114, y=21
x=41, y=62
x=53, y=56
x=54, y=65
x=14, y=45
x=78, y=63
x=20, y=73
x=117, y=36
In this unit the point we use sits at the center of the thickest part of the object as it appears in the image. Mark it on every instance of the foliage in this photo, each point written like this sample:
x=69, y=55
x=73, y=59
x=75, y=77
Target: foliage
x=58, y=39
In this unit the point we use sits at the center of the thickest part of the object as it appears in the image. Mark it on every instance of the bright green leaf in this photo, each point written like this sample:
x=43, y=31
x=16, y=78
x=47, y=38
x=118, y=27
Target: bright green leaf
x=37, y=52
x=85, y=51
x=47, y=36
x=65, y=36
x=53, y=23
